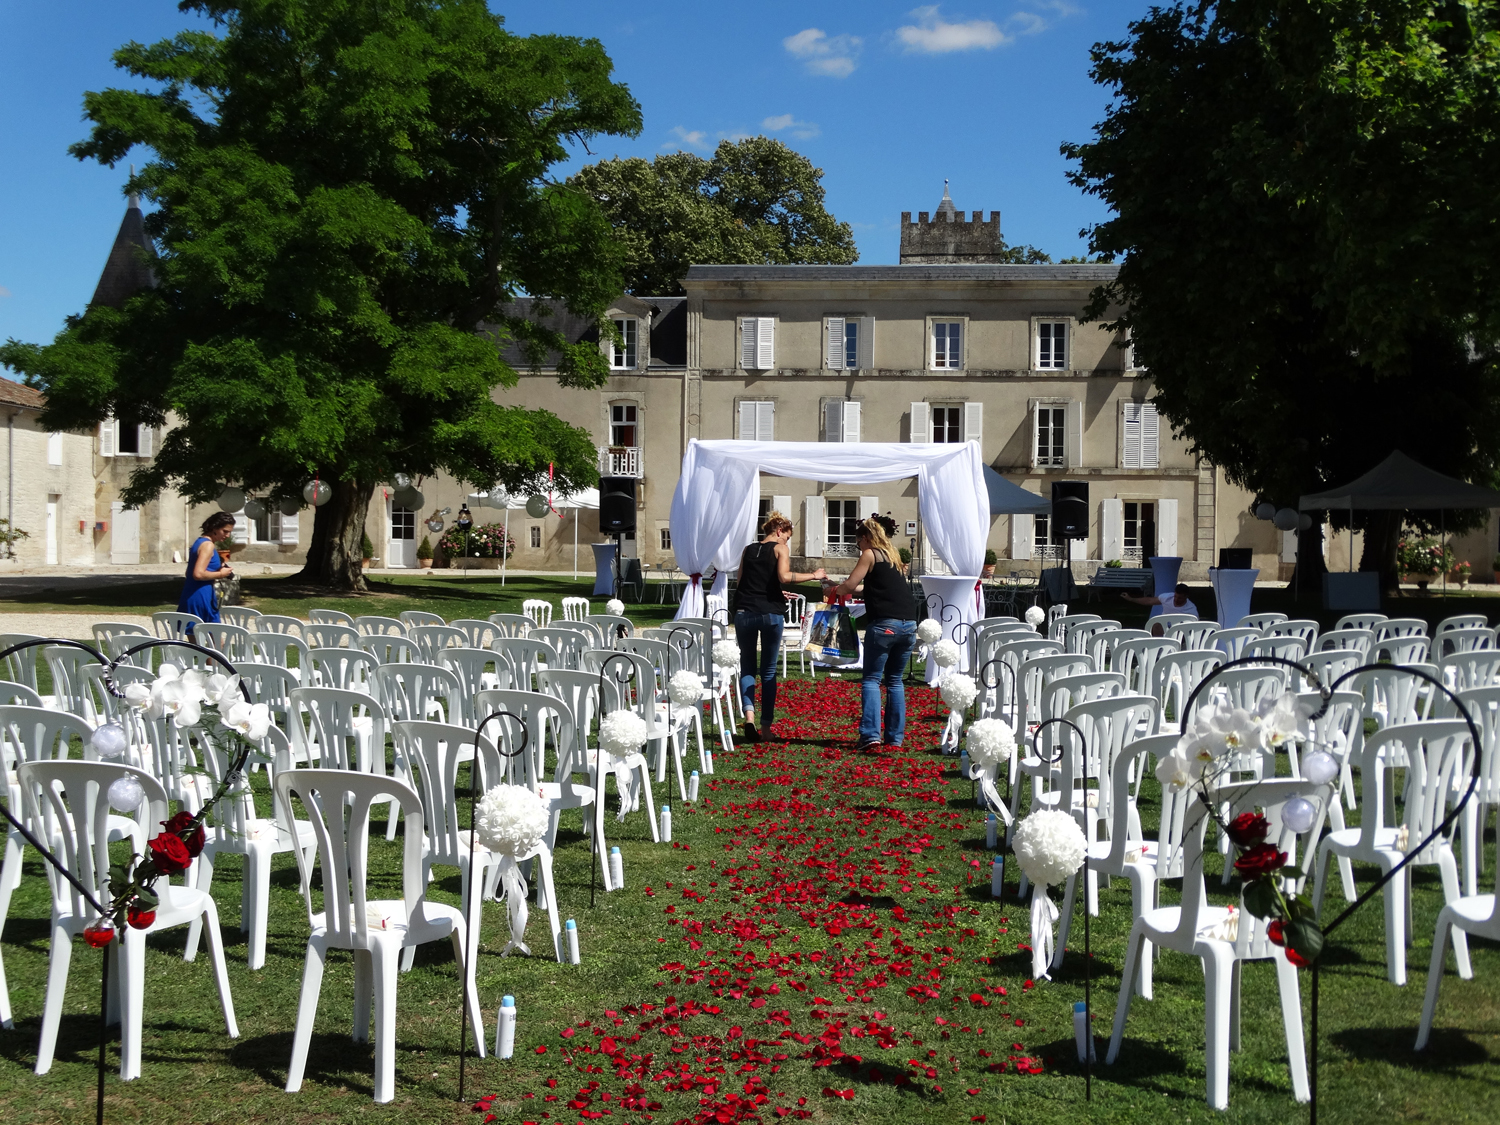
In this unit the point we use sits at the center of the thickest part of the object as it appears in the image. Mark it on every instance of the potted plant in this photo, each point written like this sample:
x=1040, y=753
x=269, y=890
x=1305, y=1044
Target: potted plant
x=424, y=553
x=366, y=550
x=1115, y=564
x=1460, y=573
x=225, y=548
x=905, y=556
x=990, y=558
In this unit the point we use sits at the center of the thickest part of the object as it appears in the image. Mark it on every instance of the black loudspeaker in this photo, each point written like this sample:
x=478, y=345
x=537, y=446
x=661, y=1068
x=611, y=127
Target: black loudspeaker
x=1234, y=558
x=616, y=505
x=1070, y=509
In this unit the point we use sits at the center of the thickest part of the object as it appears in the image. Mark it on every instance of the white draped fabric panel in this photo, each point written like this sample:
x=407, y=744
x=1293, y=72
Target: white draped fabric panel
x=952, y=602
x=714, y=506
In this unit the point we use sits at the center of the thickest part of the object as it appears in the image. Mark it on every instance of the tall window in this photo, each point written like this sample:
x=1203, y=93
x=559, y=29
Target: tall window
x=622, y=425
x=403, y=523
x=536, y=536
x=947, y=345
x=622, y=354
x=842, y=516
x=128, y=440
x=851, y=344
x=54, y=448
x=1051, y=424
x=947, y=424
x=1141, y=448
x=260, y=527
x=1051, y=345
x=1043, y=546
x=757, y=421
x=666, y=538
x=1139, y=539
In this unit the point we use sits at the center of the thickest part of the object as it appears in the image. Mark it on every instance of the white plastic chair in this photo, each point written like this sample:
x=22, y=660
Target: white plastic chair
x=233, y=641
x=1471, y=914
x=322, y=634
x=522, y=657
x=538, y=610
x=512, y=624
x=575, y=609
x=67, y=799
x=292, y=626
x=1167, y=620
x=1259, y=621
x=791, y=632
x=432, y=639
x=104, y=631
x=344, y=730
x=419, y=693
x=338, y=807
x=278, y=649
x=241, y=615
x=612, y=626
x=1369, y=621
x=477, y=633
x=388, y=649
x=1136, y=660
x=1303, y=628
x=330, y=617
x=1462, y=640
x=1473, y=668
x=1101, y=645
x=173, y=626
x=414, y=617
x=374, y=626
x=1192, y=634
x=1232, y=642
x=1354, y=640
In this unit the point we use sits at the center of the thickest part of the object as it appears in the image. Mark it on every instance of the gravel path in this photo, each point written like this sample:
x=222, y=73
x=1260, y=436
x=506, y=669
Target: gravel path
x=72, y=626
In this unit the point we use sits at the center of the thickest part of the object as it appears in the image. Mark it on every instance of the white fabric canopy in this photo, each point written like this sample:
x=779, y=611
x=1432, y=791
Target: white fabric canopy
x=714, y=507
x=583, y=498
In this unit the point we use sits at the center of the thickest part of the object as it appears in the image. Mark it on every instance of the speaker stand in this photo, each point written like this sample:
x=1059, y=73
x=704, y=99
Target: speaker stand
x=619, y=546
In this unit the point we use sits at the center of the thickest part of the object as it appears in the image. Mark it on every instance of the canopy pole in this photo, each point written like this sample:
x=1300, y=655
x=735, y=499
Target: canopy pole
x=1443, y=558
x=1351, y=534
x=575, y=544
x=505, y=545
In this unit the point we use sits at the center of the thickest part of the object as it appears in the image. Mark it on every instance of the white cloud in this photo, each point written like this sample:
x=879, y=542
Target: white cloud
x=4, y=292
x=735, y=136
x=694, y=138
x=822, y=54
x=786, y=123
x=933, y=35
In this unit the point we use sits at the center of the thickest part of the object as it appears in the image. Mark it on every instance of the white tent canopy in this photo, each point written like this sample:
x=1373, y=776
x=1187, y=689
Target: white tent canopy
x=715, y=504
x=584, y=498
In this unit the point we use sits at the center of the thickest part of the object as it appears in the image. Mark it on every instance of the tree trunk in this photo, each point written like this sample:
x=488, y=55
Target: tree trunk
x=334, y=555
x=1382, y=533
x=1307, y=579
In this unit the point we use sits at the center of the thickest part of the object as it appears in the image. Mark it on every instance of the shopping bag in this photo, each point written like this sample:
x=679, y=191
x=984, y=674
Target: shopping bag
x=848, y=638
x=831, y=637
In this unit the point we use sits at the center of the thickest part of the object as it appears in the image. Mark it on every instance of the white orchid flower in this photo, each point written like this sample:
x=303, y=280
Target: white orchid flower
x=251, y=720
x=175, y=699
x=138, y=697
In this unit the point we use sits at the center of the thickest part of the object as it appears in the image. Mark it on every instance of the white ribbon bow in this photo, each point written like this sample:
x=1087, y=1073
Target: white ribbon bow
x=951, y=732
x=515, y=901
x=1044, y=916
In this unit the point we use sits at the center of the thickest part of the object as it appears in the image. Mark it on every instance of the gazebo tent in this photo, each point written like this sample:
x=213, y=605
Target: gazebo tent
x=587, y=498
x=1011, y=499
x=1398, y=482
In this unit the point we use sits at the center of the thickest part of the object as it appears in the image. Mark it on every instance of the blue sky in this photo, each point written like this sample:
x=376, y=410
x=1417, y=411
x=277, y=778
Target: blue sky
x=889, y=99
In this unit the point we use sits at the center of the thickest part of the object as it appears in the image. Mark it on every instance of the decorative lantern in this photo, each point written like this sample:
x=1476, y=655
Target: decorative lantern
x=1285, y=519
x=254, y=508
x=317, y=493
x=231, y=499
x=409, y=498
x=290, y=506
x=537, y=507
x=1264, y=511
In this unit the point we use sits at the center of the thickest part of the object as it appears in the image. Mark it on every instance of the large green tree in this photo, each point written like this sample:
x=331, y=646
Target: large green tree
x=756, y=202
x=347, y=192
x=1301, y=201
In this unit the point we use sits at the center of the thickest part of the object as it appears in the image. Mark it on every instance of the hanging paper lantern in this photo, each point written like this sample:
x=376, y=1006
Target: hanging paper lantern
x=1264, y=511
x=401, y=481
x=1285, y=519
x=1304, y=521
x=317, y=493
x=435, y=524
x=1298, y=814
x=409, y=498
x=290, y=506
x=537, y=507
x=254, y=508
x=231, y=499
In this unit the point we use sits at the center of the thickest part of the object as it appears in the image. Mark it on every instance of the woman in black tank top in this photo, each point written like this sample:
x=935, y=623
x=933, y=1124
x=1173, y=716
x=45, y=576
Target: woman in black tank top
x=890, y=631
x=759, y=617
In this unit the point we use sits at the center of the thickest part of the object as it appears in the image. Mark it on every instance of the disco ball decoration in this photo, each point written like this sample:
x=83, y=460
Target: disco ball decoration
x=317, y=493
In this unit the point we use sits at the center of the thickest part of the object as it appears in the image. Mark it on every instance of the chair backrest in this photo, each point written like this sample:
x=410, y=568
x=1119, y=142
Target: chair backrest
x=338, y=810
x=241, y=615
x=1436, y=757
x=1108, y=724
x=333, y=722
x=271, y=684
x=18, y=695
x=539, y=610
x=665, y=658
x=279, y=648
x=38, y=734
x=1055, y=614
x=613, y=626
x=475, y=669
x=1232, y=642
x=629, y=684
x=699, y=656
x=435, y=751
x=1132, y=764
x=1246, y=687
x=590, y=629
x=796, y=606
x=1259, y=620
x=1062, y=693
x=330, y=617
x=66, y=664
x=120, y=644
x=1461, y=621
x=1306, y=629
x=1355, y=640
x=575, y=609
x=421, y=617
x=170, y=625
x=320, y=635
x=69, y=804
x=20, y=667
x=1461, y=640
x=1330, y=664
x=512, y=624
x=1192, y=634
x=1167, y=620
x=477, y=633
x=281, y=623
x=1034, y=674
x=543, y=714
x=568, y=644
x=431, y=639
x=1080, y=634
x=717, y=609
x=104, y=630
x=1360, y=621
x=231, y=640
x=1177, y=675
x=1340, y=729
x=347, y=668
x=580, y=691
x=1403, y=650
x=1400, y=627
x=1483, y=704
x=388, y=649
x=1058, y=626
x=1472, y=669
x=373, y=626
x=1287, y=648
x=1392, y=697
x=410, y=691
x=522, y=657
x=1101, y=645
x=1135, y=659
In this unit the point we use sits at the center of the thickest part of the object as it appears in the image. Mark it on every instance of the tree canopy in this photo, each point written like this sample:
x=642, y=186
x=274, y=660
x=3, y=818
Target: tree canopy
x=1301, y=204
x=756, y=202
x=347, y=196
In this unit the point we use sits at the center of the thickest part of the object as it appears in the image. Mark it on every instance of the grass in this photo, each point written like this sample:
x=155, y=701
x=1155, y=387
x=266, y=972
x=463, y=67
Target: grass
x=835, y=888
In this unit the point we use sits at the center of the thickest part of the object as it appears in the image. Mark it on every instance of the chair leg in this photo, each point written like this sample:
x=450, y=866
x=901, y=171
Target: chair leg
x=650, y=802
x=383, y=973
x=548, y=885
x=1065, y=922
x=132, y=1002
x=1448, y=872
x=1395, y=929
x=1122, y=1005
x=57, y=985
x=203, y=880
x=1291, y=1017
x=1235, y=982
x=221, y=972
x=1434, y=975
x=471, y=993
x=1218, y=973
x=258, y=888
x=364, y=991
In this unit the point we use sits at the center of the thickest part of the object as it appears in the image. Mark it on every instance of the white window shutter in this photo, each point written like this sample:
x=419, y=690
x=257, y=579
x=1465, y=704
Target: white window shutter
x=1150, y=437
x=813, y=521
x=1166, y=527
x=747, y=421
x=921, y=423
x=242, y=528
x=749, y=331
x=1112, y=529
x=1073, y=434
x=288, y=528
x=1078, y=550
x=851, y=421
x=1130, y=438
x=1021, y=528
x=961, y=346
x=833, y=420
x=107, y=430
x=765, y=343
x=765, y=421
x=867, y=343
x=144, y=447
x=782, y=504
x=974, y=422
x=1062, y=344
x=1036, y=422
x=835, y=356
x=868, y=506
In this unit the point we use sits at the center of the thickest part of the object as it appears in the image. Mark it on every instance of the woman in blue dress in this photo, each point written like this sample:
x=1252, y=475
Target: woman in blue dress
x=204, y=567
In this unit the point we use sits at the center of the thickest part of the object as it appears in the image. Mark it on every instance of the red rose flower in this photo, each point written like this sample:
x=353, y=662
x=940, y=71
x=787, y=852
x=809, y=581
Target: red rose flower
x=139, y=917
x=1248, y=829
x=169, y=855
x=1260, y=860
x=1296, y=958
x=99, y=935
x=1276, y=932
x=178, y=824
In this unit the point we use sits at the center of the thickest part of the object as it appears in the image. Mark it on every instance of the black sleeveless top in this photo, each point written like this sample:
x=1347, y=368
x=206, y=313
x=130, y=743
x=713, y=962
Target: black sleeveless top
x=759, y=589
x=887, y=596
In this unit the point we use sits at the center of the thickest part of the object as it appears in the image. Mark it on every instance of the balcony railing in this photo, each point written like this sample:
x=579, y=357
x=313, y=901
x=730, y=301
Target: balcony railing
x=622, y=461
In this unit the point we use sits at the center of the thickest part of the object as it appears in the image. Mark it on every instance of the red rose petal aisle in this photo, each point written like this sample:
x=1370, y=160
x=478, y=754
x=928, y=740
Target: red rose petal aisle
x=832, y=938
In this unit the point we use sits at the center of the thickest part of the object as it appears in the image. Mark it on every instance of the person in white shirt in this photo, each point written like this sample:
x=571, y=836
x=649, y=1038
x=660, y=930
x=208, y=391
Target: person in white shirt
x=1175, y=602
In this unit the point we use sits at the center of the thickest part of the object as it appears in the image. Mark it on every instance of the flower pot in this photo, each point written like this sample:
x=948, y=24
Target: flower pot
x=224, y=557
x=468, y=563
x=425, y=564
x=365, y=563
x=988, y=571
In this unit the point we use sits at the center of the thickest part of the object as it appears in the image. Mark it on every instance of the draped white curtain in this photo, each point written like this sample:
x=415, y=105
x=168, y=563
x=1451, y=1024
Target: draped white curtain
x=714, y=507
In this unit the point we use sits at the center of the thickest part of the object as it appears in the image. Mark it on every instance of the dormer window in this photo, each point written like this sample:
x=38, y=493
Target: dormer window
x=622, y=353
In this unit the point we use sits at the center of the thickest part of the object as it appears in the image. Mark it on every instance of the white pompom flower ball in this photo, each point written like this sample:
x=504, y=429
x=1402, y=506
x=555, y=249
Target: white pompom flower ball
x=614, y=607
x=622, y=733
x=511, y=820
x=1035, y=616
x=945, y=654
x=726, y=654
x=958, y=691
x=991, y=742
x=1050, y=847
x=685, y=689
x=929, y=632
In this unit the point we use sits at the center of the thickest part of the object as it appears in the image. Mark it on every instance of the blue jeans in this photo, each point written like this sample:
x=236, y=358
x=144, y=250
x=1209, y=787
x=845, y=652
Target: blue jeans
x=765, y=628
x=888, y=643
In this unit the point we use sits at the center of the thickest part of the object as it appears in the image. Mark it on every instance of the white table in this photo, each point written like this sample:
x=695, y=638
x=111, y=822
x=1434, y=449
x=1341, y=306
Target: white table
x=967, y=606
x=604, y=569
x=1165, y=568
x=1232, y=592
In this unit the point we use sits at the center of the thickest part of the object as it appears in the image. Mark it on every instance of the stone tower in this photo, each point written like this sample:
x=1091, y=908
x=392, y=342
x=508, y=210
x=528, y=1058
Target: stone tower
x=950, y=239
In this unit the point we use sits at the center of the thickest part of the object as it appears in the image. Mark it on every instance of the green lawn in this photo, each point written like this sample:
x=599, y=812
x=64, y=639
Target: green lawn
x=813, y=897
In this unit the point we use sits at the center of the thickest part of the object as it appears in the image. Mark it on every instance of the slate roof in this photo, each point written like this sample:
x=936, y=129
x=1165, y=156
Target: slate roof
x=128, y=268
x=1080, y=272
x=668, y=330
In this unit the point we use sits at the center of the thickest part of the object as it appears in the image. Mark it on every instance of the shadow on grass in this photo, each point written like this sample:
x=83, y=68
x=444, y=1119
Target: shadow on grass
x=1449, y=1049
x=333, y=1060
